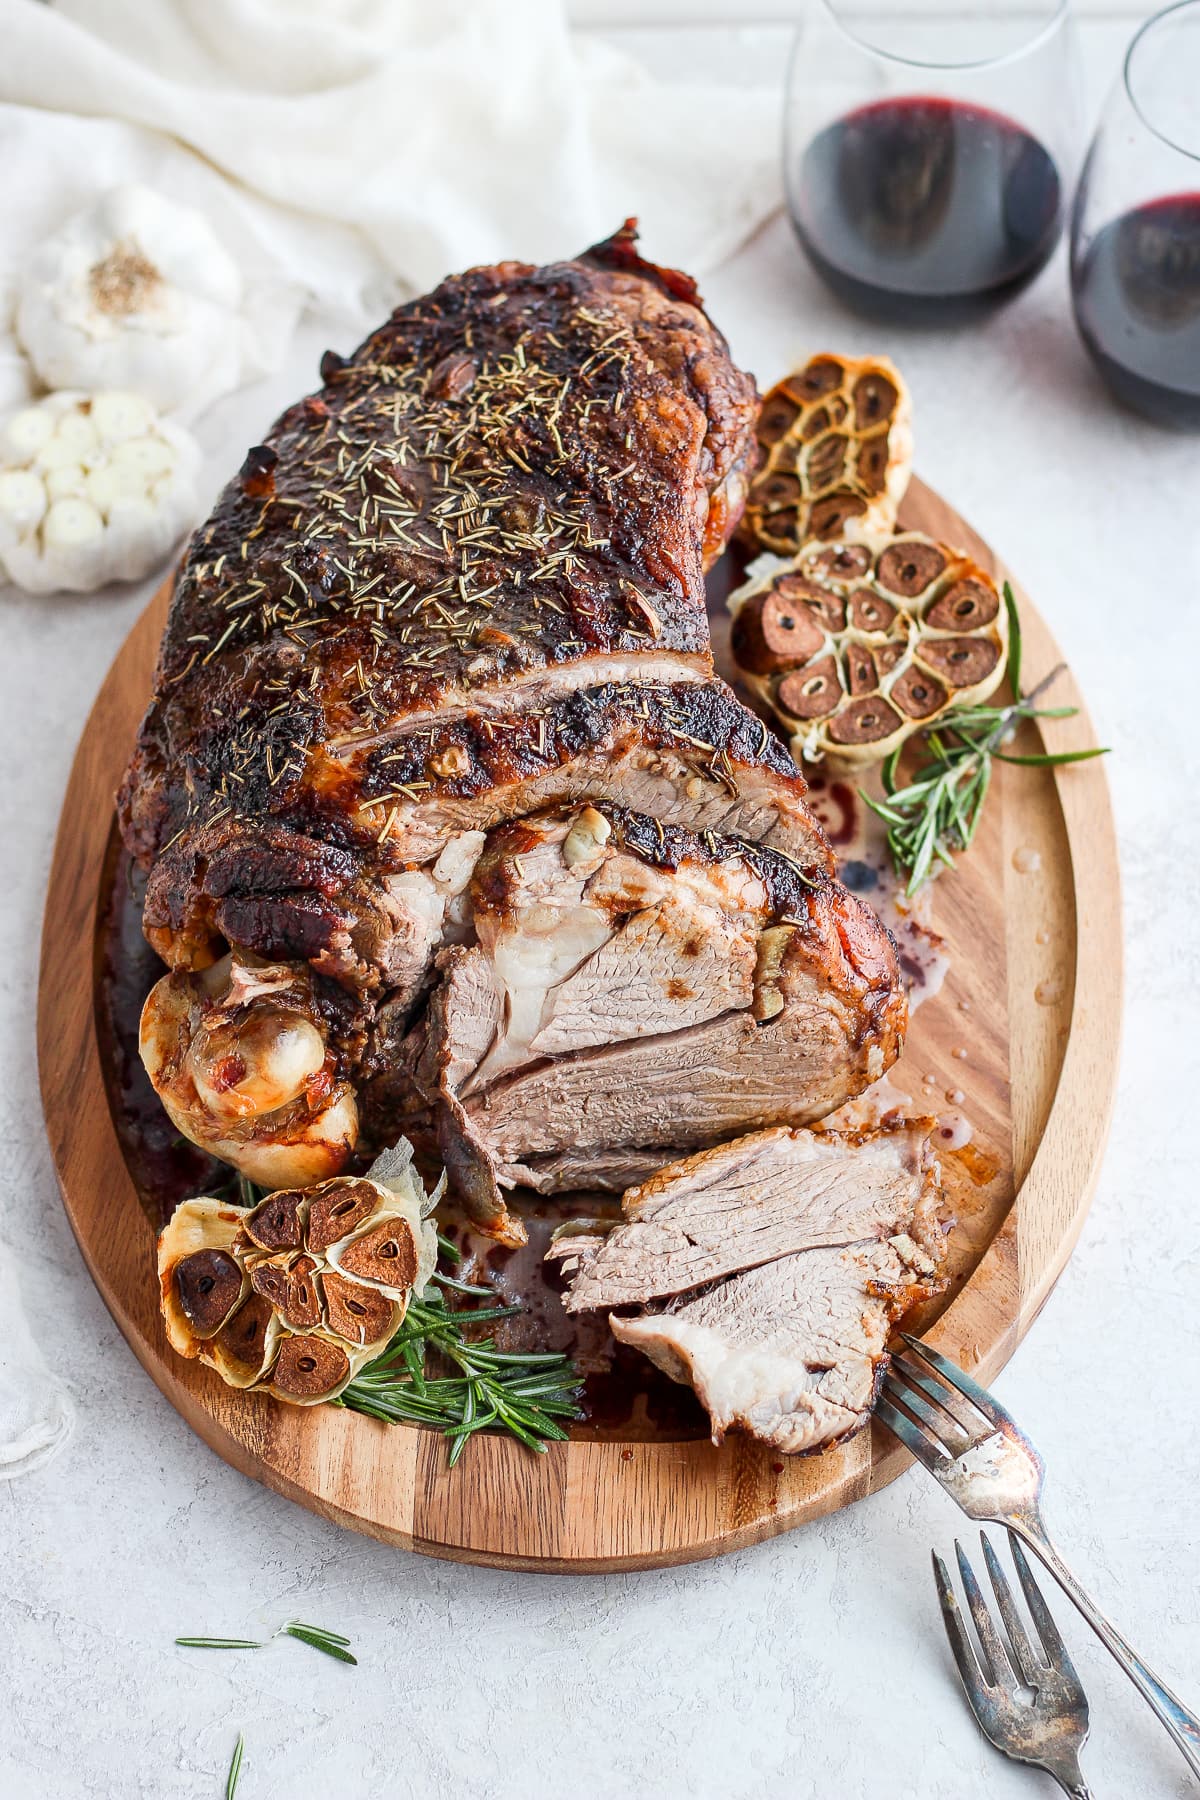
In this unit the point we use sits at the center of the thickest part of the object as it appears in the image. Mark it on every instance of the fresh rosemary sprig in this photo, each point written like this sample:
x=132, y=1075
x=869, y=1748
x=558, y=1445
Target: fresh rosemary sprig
x=938, y=812
x=331, y=1642
x=522, y=1392
x=235, y=1767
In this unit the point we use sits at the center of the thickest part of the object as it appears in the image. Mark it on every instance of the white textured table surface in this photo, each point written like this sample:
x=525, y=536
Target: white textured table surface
x=812, y=1668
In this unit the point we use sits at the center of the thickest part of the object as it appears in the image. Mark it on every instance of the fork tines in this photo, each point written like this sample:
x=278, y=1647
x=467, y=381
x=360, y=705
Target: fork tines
x=1048, y=1724
x=945, y=1412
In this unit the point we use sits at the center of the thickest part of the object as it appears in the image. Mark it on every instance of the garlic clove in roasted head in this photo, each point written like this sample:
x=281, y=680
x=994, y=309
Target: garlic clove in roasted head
x=295, y=1295
x=134, y=292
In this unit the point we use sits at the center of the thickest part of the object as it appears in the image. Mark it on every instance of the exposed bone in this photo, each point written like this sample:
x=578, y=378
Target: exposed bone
x=908, y=566
x=917, y=694
x=256, y=1064
x=811, y=693
x=775, y=631
x=864, y=721
x=964, y=607
x=249, y=1080
x=960, y=661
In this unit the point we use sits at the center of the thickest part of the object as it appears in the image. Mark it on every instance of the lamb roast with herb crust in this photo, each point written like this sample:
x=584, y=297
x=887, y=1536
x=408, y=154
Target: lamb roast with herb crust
x=449, y=825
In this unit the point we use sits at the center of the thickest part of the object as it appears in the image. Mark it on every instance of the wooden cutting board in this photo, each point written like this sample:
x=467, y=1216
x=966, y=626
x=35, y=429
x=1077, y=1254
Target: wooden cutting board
x=1026, y=1027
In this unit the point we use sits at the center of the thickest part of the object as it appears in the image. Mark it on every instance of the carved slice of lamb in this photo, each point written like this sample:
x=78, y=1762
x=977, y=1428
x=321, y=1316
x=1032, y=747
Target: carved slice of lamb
x=769, y=1271
x=793, y=1352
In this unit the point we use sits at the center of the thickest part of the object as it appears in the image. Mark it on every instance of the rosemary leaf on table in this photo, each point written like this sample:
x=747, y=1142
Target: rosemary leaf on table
x=937, y=814
x=526, y=1393
x=331, y=1642
x=235, y=1767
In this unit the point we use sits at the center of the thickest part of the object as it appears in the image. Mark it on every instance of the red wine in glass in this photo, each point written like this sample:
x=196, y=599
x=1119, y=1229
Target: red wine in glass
x=1136, y=288
x=926, y=210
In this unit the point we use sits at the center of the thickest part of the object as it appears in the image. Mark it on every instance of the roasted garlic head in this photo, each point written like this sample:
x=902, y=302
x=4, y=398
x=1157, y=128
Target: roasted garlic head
x=294, y=1295
x=855, y=645
x=837, y=454
x=239, y=1057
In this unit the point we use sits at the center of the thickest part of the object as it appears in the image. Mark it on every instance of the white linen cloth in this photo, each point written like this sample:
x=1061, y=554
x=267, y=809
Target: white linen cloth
x=355, y=151
x=36, y=1412
x=348, y=153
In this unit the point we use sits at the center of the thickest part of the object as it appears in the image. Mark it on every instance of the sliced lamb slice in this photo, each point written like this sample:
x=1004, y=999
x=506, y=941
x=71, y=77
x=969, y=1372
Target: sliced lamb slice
x=793, y=1352
x=750, y=1202
x=608, y=1171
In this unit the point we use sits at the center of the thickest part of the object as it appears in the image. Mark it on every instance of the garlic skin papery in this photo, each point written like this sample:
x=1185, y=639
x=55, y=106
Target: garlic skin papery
x=93, y=488
x=292, y=1297
x=134, y=292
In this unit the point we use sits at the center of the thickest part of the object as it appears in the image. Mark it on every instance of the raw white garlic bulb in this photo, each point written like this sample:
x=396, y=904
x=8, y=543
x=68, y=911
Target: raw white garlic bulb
x=135, y=292
x=93, y=488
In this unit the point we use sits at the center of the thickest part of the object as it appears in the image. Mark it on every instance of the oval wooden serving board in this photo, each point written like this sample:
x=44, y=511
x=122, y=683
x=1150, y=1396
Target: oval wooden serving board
x=1033, y=997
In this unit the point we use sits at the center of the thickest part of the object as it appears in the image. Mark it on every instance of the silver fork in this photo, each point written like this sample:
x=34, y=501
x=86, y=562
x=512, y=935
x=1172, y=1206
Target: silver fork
x=1048, y=1729
x=967, y=1441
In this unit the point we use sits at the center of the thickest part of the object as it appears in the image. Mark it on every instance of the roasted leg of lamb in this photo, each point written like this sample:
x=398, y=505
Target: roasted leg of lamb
x=450, y=828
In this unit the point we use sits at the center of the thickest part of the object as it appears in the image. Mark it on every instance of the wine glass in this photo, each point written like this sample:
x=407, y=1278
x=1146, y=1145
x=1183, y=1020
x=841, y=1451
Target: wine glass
x=928, y=150
x=1135, y=232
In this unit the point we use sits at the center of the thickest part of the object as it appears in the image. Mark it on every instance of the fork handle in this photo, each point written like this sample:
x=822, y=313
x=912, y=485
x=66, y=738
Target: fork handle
x=1183, y=1725
x=1070, y=1779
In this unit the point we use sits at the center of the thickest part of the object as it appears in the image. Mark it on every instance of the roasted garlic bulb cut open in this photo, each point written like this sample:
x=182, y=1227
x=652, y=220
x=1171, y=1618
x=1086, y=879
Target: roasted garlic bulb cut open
x=238, y=1055
x=855, y=645
x=294, y=1295
x=837, y=454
